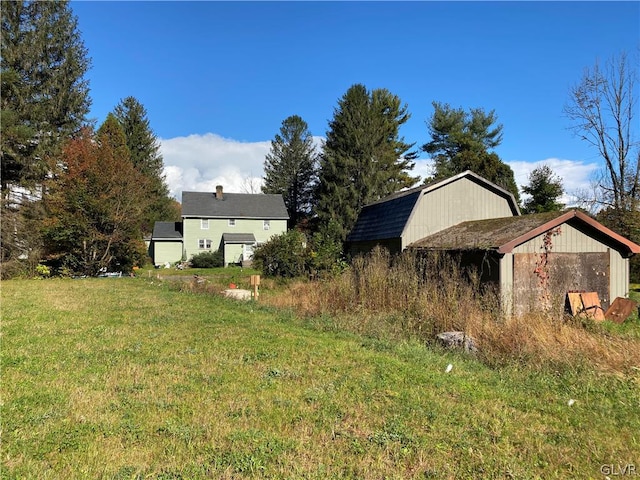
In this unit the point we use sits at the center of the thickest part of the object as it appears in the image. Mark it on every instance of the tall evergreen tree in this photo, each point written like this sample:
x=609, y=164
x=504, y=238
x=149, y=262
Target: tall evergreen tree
x=290, y=168
x=544, y=189
x=364, y=158
x=463, y=141
x=95, y=204
x=146, y=158
x=45, y=97
x=44, y=100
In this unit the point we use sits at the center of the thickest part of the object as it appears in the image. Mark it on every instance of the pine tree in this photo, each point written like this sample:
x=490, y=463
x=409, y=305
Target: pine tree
x=44, y=100
x=463, y=141
x=544, y=189
x=364, y=158
x=45, y=97
x=290, y=168
x=146, y=158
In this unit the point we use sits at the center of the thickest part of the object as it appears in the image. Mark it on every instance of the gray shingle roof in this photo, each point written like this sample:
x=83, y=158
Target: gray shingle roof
x=233, y=205
x=384, y=219
x=238, y=238
x=387, y=217
x=167, y=231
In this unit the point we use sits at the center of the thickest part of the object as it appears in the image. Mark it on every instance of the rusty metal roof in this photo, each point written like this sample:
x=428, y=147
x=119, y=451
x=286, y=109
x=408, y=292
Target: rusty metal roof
x=504, y=234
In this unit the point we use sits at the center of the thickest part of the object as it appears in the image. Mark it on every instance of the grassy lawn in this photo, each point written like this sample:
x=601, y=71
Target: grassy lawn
x=128, y=378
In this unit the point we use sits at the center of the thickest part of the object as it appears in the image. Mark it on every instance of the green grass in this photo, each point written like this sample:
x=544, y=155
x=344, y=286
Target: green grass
x=128, y=378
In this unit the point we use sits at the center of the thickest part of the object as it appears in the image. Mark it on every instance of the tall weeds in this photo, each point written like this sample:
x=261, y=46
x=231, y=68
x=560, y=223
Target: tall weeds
x=418, y=297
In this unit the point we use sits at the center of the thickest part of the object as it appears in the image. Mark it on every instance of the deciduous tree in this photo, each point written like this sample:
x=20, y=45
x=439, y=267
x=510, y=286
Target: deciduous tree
x=602, y=107
x=364, y=157
x=291, y=169
x=95, y=204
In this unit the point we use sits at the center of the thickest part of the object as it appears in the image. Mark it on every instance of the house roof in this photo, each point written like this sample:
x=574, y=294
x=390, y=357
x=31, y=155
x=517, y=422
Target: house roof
x=504, y=234
x=238, y=238
x=167, y=231
x=233, y=205
x=387, y=217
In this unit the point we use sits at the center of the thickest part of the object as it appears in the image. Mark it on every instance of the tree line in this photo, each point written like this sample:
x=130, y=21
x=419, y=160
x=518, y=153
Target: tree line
x=78, y=198
x=82, y=198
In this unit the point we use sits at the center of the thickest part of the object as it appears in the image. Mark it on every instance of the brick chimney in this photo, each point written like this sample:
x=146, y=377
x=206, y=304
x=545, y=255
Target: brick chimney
x=219, y=192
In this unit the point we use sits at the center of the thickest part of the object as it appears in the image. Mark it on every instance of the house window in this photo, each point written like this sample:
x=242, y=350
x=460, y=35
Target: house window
x=204, y=243
x=232, y=222
x=204, y=224
x=266, y=224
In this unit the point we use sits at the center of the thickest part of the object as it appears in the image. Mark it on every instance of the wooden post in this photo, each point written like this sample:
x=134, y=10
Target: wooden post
x=255, y=281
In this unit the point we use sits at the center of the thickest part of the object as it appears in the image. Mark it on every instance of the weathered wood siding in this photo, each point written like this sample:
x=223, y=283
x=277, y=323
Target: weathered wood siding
x=570, y=240
x=363, y=248
x=451, y=204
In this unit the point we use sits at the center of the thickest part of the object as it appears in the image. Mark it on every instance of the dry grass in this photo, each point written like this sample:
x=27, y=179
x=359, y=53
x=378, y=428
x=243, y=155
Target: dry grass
x=406, y=297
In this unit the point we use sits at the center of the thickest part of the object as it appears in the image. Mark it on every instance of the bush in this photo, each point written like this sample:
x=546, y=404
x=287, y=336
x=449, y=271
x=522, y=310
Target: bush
x=284, y=255
x=208, y=260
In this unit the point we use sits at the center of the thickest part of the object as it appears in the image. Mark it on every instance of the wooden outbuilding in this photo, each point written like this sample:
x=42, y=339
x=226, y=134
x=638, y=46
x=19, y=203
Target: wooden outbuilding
x=535, y=260
x=398, y=220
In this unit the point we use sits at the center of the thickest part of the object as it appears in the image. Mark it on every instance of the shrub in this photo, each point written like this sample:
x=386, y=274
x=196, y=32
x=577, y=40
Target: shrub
x=43, y=271
x=208, y=260
x=284, y=255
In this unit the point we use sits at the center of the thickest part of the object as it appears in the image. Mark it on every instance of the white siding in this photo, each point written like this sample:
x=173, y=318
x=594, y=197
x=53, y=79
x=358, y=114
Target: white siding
x=453, y=203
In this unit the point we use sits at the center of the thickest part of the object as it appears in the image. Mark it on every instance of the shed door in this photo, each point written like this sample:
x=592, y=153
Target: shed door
x=563, y=272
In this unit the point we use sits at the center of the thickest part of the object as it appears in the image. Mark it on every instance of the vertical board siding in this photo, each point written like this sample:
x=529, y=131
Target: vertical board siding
x=506, y=283
x=572, y=240
x=569, y=240
x=451, y=204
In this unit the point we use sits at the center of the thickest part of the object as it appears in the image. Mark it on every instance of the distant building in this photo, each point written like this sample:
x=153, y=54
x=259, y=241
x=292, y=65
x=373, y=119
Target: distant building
x=231, y=222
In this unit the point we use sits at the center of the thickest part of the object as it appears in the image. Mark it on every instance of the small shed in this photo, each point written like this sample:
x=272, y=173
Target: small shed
x=535, y=260
x=166, y=244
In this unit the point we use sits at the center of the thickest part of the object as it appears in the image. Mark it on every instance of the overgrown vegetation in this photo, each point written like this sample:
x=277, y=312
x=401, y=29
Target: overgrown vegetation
x=408, y=297
x=291, y=255
x=127, y=378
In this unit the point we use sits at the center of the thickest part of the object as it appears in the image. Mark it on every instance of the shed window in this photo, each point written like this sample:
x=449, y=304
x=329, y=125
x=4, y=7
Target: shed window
x=232, y=222
x=204, y=224
x=204, y=243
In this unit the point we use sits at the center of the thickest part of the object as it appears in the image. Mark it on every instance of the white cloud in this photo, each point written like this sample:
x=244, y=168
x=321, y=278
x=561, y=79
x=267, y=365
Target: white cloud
x=576, y=175
x=200, y=162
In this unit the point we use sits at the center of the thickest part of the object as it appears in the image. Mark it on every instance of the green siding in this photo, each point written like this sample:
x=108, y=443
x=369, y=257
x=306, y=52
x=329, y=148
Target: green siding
x=167, y=251
x=232, y=253
x=192, y=232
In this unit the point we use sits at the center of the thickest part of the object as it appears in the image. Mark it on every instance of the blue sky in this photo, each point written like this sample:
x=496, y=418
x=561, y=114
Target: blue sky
x=218, y=78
